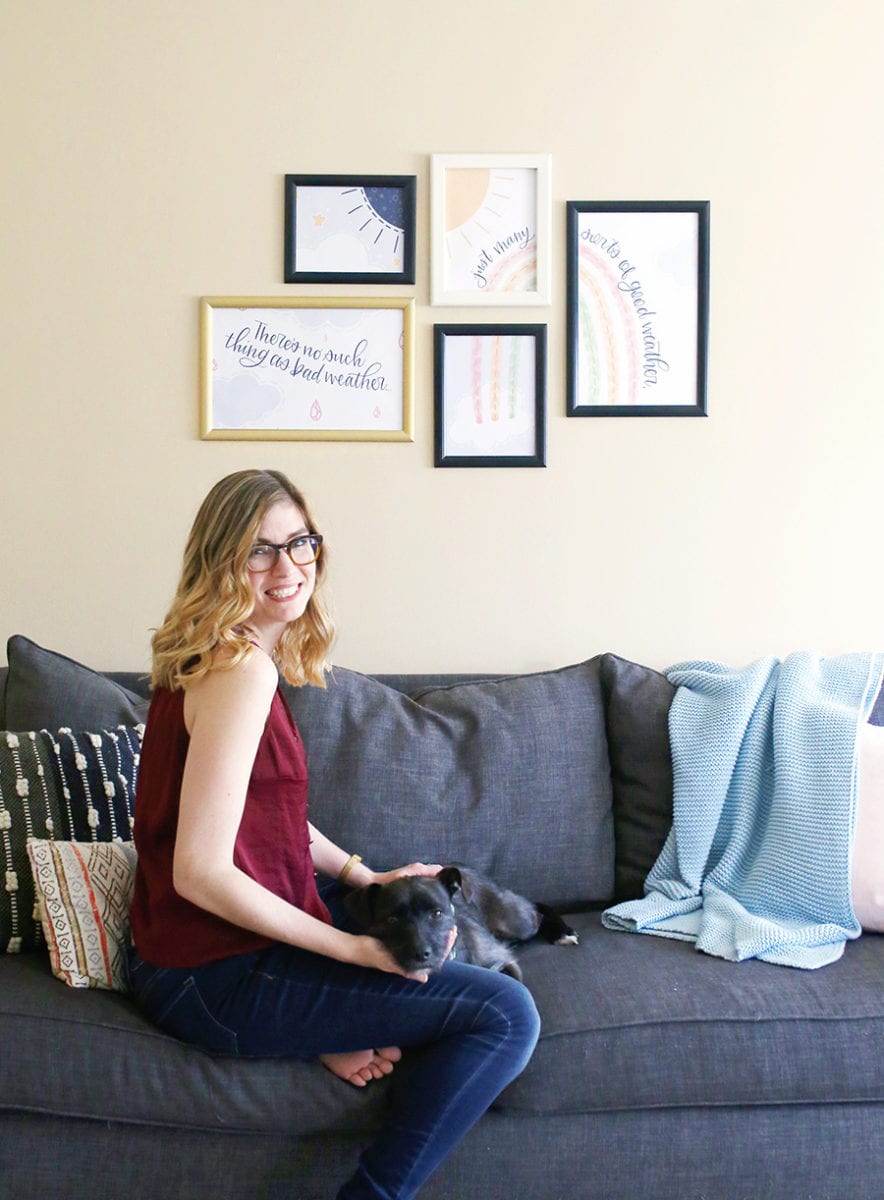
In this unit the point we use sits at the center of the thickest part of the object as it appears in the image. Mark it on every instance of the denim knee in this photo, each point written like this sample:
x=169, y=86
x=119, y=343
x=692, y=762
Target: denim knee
x=516, y=1015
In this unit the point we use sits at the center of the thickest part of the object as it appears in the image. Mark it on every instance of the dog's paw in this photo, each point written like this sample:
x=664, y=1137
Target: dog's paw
x=568, y=939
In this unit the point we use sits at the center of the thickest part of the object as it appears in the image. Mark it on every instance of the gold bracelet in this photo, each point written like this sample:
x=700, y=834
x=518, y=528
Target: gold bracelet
x=348, y=867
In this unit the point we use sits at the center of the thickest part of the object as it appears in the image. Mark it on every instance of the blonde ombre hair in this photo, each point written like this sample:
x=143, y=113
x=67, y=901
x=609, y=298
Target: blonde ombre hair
x=214, y=599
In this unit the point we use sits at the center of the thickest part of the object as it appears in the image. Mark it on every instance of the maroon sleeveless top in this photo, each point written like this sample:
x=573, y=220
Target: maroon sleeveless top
x=272, y=845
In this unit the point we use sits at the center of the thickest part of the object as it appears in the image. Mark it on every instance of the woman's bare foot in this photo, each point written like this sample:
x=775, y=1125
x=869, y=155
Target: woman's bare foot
x=360, y=1067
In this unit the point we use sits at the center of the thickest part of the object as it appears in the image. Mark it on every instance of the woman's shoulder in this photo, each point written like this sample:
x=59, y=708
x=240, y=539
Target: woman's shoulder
x=241, y=687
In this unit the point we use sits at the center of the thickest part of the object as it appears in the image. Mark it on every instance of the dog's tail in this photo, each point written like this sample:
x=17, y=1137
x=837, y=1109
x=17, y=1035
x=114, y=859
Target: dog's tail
x=554, y=930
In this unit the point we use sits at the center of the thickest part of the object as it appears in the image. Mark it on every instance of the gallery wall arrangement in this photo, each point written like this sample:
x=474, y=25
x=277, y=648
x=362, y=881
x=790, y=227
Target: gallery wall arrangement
x=333, y=368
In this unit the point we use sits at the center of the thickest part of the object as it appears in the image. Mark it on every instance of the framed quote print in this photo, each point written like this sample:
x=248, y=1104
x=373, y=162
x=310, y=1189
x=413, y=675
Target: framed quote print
x=301, y=369
x=638, y=308
x=349, y=228
x=490, y=229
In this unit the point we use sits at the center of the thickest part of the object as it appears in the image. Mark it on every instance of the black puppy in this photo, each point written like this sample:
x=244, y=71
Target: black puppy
x=413, y=917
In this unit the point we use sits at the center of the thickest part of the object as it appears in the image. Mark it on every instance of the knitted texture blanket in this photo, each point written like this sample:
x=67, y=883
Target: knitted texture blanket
x=757, y=862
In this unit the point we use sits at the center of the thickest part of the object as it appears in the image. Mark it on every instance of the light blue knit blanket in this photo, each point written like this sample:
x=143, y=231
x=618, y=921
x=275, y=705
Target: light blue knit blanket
x=757, y=863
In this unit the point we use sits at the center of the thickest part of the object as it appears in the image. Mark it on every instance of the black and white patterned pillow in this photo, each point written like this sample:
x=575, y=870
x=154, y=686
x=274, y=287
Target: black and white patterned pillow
x=62, y=786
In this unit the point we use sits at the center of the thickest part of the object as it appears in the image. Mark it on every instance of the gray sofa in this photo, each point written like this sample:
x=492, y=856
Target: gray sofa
x=660, y=1072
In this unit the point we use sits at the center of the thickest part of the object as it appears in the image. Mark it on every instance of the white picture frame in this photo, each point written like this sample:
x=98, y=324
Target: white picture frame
x=490, y=218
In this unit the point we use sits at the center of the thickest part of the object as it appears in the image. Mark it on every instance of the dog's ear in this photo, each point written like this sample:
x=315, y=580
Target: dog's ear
x=360, y=903
x=451, y=879
x=456, y=881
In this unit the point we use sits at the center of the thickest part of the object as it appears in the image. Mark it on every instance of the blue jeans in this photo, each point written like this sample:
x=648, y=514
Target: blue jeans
x=476, y=1030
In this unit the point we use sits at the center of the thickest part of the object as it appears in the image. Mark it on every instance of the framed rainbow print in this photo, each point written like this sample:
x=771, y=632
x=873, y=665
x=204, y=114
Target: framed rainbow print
x=638, y=308
x=304, y=369
x=349, y=228
x=490, y=395
x=490, y=229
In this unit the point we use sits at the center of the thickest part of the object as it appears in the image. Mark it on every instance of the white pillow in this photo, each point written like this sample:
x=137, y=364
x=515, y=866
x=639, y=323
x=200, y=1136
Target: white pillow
x=867, y=871
x=84, y=891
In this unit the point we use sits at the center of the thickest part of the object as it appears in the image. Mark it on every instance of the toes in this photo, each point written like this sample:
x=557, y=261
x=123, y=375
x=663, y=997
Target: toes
x=362, y=1067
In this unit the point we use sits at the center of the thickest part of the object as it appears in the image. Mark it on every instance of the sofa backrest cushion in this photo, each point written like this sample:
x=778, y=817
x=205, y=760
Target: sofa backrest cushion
x=637, y=702
x=510, y=776
x=47, y=690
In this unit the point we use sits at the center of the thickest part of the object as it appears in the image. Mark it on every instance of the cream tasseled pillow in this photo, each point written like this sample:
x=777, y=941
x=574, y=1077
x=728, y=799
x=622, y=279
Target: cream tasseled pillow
x=867, y=872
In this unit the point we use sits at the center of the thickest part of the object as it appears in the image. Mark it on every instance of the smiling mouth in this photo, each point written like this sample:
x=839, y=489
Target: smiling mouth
x=283, y=593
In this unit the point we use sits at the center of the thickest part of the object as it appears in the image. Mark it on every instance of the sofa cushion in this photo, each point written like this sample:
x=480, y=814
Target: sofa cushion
x=84, y=893
x=634, y=1022
x=510, y=776
x=71, y=786
x=628, y=1024
x=45, y=690
x=91, y=1054
x=637, y=701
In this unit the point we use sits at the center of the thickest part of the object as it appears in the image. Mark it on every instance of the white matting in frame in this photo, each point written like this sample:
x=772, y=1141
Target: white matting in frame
x=490, y=229
x=301, y=369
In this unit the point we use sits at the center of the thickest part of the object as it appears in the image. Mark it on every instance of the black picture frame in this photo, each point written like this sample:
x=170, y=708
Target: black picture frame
x=359, y=209
x=637, y=292
x=490, y=395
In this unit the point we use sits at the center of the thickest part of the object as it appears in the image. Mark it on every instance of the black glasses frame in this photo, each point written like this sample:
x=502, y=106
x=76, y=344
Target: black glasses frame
x=278, y=547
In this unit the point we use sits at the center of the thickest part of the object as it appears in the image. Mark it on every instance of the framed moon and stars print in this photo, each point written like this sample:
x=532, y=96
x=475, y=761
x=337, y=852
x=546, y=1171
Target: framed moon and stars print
x=349, y=228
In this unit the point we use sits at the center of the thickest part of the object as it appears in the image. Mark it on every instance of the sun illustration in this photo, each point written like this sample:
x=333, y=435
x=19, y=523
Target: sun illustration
x=475, y=201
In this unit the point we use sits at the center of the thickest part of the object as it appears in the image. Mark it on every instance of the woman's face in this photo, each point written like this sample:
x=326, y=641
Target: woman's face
x=281, y=594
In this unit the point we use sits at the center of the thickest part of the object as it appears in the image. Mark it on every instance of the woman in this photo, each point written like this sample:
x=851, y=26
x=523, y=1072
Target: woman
x=234, y=950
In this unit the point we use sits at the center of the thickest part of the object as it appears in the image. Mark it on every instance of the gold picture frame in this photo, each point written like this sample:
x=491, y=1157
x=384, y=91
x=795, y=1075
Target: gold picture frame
x=330, y=368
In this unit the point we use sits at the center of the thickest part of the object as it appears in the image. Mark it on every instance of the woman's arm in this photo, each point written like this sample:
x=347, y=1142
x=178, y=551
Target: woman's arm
x=225, y=714
x=331, y=860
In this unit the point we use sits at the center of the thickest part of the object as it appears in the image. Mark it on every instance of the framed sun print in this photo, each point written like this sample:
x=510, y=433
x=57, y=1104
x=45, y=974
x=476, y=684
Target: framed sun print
x=638, y=308
x=490, y=229
x=349, y=228
x=490, y=395
x=305, y=369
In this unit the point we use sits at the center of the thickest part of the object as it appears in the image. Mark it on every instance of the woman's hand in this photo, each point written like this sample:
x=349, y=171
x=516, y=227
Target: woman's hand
x=370, y=952
x=417, y=868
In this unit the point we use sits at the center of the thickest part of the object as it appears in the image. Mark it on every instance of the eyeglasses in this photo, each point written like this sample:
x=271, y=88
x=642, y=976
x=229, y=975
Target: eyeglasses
x=302, y=550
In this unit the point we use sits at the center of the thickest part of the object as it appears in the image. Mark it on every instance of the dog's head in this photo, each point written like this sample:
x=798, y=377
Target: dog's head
x=412, y=916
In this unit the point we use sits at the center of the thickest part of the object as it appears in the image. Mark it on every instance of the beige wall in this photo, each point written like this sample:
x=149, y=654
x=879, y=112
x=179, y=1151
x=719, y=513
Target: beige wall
x=144, y=149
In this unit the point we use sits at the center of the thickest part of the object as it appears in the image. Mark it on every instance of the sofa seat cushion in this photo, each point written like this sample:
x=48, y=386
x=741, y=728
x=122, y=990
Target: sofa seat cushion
x=510, y=776
x=91, y=1054
x=633, y=1022
x=629, y=1023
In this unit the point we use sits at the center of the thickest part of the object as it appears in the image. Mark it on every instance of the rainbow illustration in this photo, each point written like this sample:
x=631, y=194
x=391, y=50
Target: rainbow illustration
x=609, y=337
x=515, y=272
x=494, y=376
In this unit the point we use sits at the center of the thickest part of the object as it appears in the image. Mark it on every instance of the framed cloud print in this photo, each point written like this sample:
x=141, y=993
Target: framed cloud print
x=302, y=369
x=490, y=229
x=349, y=228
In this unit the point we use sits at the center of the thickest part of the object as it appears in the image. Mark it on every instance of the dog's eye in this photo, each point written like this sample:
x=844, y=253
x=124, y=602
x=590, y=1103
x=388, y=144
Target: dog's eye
x=392, y=920
x=436, y=914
